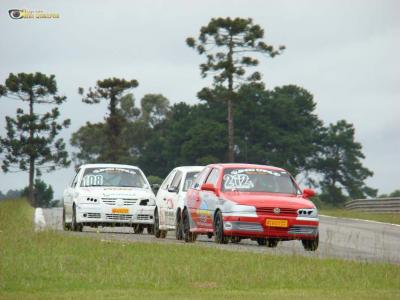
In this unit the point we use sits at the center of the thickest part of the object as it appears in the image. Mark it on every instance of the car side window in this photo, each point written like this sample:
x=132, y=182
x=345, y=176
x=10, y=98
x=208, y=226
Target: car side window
x=75, y=180
x=177, y=180
x=167, y=180
x=213, y=177
x=200, y=178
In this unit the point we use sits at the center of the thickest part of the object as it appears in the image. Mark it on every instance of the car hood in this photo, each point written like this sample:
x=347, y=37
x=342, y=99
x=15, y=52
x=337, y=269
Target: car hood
x=267, y=200
x=116, y=192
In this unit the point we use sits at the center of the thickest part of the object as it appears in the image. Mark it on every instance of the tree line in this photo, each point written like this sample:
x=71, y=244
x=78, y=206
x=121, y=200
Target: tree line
x=237, y=119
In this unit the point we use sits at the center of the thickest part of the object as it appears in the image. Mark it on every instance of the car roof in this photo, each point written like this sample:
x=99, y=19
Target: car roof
x=190, y=168
x=242, y=165
x=107, y=166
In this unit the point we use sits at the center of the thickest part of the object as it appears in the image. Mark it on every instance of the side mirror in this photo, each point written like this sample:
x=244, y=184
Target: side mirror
x=155, y=187
x=208, y=187
x=173, y=189
x=308, y=193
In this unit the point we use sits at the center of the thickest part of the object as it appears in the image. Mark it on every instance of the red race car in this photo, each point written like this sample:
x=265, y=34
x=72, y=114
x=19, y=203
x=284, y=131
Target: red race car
x=237, y=201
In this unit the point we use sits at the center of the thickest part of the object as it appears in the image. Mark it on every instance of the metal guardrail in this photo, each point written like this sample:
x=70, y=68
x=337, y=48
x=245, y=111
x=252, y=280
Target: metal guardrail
x=383, y=205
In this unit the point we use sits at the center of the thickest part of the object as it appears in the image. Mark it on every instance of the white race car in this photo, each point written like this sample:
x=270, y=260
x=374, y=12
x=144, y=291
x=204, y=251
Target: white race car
x=169, y=200
x=109, y=195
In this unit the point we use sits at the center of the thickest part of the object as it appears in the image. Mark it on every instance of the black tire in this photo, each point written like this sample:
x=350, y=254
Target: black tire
x=261, y=241
x=74, y=225
x=188, y=236
x=272, y=243
x=311, y=245
x=235, y=239
x=179, y=226
x=138, y=228
x=66, y=226
x=150, y=229
x=210, y=235
x=157, y=232
x=220, y=237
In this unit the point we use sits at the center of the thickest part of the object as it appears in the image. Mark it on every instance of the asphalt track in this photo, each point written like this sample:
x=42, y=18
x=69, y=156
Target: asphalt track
x=339, y=238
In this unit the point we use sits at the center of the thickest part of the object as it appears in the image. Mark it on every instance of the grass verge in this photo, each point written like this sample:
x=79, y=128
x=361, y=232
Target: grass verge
x=51, y=265
x=393, y=218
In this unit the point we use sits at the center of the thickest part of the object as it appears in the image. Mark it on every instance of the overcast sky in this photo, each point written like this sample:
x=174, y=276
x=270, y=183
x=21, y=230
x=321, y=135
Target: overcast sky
x=344, y=52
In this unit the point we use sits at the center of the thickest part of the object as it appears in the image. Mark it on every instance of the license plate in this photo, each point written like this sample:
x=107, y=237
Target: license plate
x=120, y=210
x=277, y=223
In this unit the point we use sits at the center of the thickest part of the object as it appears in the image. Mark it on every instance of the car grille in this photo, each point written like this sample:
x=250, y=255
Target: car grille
x=119, y=217
x=143, y=217
x=248, y=226
x=94, y=215
x=270, y=211
x=303, y=230
x=113, y=201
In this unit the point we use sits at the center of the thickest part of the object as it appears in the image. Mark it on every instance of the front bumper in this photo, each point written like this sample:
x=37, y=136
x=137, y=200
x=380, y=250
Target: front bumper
x=134, y=214
x=255, y=227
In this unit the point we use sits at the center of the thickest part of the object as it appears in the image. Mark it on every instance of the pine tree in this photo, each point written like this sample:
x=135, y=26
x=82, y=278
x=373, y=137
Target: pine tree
x=31, y=143
x=227, y=43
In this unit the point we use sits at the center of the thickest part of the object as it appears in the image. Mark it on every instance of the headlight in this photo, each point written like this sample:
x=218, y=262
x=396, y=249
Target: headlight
x=147, y=201
x=307, y=212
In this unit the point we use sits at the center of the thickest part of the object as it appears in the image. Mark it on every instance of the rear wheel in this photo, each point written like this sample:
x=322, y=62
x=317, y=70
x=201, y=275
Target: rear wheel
x=220, y=237
x=179, y=226
x=272, y=243
x=138, y=228
x=66, y=226
x=311, y=245
x=187, y=234
x=157, y=232
x=75, y=226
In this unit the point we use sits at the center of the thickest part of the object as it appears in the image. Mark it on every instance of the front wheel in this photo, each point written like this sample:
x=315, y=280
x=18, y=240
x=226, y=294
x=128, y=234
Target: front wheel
x=138, y=228
x=272, y=243
x=261, y=241
x=187, y=234
x=150, y=229
x=311, y=245
x=157, y=232
x=75, y=226
x=179, y=226
x=220, y=237
x=66, y=226
x=235, y=239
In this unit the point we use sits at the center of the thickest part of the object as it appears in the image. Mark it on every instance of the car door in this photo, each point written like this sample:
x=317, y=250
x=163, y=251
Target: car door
x=162, y=197
x=193, y=196
x=172, y=198
x=208, y=201
x=69, y=195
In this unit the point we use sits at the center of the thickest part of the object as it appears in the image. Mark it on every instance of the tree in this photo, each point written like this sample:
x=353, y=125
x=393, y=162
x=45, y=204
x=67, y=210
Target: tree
x=138, y=125
x=340, y=165
x=283, y=129
x=31, y=142
x=43, y=193
x=114, y=91
x=227, y=43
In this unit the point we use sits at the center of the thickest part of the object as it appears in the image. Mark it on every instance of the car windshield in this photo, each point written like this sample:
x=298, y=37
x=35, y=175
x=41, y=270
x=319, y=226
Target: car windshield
x=190, y=177
x=120, y=177
x=258, y=180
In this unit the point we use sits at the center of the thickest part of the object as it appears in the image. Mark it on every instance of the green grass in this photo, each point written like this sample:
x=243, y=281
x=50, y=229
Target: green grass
x=393, y=218
x=53, y=265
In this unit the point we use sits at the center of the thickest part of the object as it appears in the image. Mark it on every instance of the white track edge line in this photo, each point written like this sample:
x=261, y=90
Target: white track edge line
x=363, y=220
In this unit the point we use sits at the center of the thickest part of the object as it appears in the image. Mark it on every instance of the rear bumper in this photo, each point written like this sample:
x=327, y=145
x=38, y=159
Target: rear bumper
x=135, y=214
x=255, y=227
